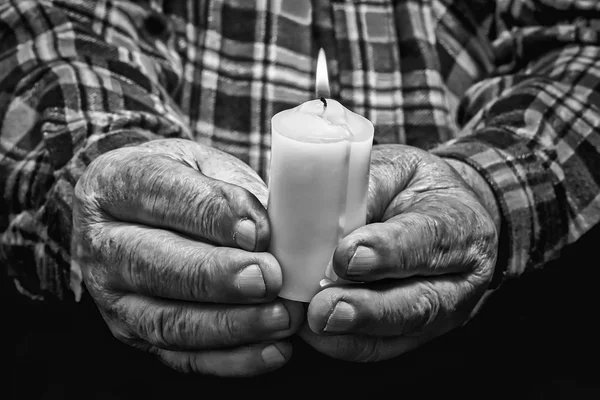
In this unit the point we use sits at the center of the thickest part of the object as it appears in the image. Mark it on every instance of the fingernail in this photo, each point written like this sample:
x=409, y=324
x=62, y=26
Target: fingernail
x=272, y=357
x=362, y=261
x=341, y=318
x=245, y=234
x=251, y=282
x=278, y=318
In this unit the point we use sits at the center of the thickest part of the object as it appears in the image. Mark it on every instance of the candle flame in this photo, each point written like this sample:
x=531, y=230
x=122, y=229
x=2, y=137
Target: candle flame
x=322, y=85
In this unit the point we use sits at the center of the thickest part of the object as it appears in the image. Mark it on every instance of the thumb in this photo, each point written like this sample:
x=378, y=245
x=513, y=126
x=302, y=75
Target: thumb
x=392, y=168
x=224, y=167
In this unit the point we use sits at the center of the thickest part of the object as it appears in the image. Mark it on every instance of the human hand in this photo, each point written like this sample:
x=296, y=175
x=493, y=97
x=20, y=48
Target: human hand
x=426, y=257
x=171, y=238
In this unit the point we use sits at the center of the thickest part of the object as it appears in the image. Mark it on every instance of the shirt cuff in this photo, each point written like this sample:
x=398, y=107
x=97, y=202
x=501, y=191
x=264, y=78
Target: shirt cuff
x=511, y=178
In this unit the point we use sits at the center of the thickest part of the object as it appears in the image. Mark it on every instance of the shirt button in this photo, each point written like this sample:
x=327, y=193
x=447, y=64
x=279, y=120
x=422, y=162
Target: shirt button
x=181, y=44
x=157, y=25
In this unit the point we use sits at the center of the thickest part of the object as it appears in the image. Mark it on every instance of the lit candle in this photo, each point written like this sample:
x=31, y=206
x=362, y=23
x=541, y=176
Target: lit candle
x=319, y=175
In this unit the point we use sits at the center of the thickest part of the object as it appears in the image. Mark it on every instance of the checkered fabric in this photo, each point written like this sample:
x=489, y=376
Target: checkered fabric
x=509, y=86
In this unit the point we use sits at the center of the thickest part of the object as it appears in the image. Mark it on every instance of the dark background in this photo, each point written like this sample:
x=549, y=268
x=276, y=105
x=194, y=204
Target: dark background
x=536, y=338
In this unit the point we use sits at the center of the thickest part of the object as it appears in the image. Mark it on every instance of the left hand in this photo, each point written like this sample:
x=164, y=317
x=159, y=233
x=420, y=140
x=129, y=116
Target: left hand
x=426, y=257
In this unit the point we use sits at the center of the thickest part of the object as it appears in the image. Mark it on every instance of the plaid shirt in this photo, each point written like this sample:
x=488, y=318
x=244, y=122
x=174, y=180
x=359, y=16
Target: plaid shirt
x=511, y=87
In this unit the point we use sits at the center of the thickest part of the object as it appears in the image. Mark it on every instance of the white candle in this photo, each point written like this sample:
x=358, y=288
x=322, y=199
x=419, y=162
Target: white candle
x=319, y=175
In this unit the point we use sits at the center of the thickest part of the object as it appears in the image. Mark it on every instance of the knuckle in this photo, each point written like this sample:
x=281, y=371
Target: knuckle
x=121, y=333
x=103, y=166
x=371, y=308
x=86, y=208
x=204, y=276
x=388, y=312
x=483, y=246
x=80, y=192
x=230, y=328
x=211, y=208
x=434, y=225
x=479, y=220
x=118, y=328
x=187, y=363
x=133, y=267
x=424, y=311
x=191, y=364
x=181, y=329
x=369, y=351
x=154, y=269
x=430, y=304
x=360, y=349
x=96, y=281
x=153, y=326
x=484, y=255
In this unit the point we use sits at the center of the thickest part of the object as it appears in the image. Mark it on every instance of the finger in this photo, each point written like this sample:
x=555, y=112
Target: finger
x=394, y=308
x=137, y=185
x=165, y=264
x=412, y=228
x=392, y=168
x=189, y=326
x=438, y=235
x=244, y=361
x=359, y=348
x=230, y=169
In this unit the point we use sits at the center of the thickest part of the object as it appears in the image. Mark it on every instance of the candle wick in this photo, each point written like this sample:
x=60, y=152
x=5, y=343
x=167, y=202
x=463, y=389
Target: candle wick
x=324, y=105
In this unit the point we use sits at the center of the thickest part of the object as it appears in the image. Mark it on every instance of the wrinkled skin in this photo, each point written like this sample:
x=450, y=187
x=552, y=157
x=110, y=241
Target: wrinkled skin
x=431, y=251
x=158, y=238
x=162, y=233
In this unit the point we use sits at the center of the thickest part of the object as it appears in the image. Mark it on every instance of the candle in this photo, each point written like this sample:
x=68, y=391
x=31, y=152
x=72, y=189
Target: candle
x=319, y=175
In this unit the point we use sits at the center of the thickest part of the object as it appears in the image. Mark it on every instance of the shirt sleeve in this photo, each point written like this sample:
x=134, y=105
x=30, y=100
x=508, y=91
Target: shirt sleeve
x=533, y=133
x=76, y=80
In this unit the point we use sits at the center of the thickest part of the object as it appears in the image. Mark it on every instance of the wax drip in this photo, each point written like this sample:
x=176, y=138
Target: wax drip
x=343, y=202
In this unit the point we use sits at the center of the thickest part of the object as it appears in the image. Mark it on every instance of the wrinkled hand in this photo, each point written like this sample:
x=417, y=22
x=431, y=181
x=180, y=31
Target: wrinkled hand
x=426, y=256
x=170, y=237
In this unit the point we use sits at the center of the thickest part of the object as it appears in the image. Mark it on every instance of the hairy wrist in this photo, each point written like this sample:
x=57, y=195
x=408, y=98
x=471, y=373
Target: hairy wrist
x=480, y=186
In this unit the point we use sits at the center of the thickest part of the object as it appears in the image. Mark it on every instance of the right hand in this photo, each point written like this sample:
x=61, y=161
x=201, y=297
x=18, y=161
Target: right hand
x=171, y=239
